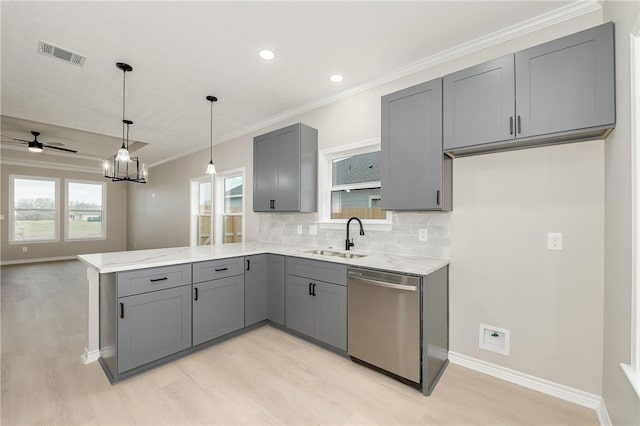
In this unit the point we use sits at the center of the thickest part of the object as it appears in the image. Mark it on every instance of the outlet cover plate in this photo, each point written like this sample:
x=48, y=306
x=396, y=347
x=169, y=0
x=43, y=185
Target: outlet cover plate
x=423, y=234
x=554, y=241
x=494, y=339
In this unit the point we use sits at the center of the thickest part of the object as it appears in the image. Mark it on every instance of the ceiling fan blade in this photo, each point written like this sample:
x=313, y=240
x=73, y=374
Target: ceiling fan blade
x=53, y=143
x=14, y=141
x=17, y=140
x=60, y=149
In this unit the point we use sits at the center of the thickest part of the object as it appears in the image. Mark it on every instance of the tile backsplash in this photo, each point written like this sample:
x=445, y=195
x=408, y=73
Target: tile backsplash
x=401, y=239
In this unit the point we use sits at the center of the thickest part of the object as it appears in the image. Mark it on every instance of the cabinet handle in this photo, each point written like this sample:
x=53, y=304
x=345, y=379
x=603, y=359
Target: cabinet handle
x=196, y=289
x=248, y=265
x=313, y=289
x=438, y=197
x=221, y=269
x=519, y=125
x=153, y=280
x=310, y=293
x=272, y=204
x=510, y=125
x=121, y=310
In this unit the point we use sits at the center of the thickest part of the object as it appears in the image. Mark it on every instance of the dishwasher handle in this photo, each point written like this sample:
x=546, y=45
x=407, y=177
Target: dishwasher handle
x=384, y=283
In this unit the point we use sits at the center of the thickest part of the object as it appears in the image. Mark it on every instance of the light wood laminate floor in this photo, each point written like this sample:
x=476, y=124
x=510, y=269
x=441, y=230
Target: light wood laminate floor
x=263, y=377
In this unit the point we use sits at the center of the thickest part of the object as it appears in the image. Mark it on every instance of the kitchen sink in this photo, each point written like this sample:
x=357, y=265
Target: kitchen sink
x=337, y=254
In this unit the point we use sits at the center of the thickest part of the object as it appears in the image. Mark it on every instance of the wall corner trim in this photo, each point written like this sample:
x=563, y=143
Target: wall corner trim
x=90, y=356
x=567, y=393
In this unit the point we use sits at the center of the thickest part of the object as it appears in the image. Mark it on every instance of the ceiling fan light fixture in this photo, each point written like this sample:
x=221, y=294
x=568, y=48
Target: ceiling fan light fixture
x=35, y=147
x=266, y=54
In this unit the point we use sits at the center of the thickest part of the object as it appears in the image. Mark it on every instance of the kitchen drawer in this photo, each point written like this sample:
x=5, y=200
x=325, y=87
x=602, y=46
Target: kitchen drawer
x=316, y=270
x=152, y=279
x=215, y=269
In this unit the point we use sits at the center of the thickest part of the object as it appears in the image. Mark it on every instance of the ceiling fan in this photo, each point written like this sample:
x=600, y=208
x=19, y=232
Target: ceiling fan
x=36, y=146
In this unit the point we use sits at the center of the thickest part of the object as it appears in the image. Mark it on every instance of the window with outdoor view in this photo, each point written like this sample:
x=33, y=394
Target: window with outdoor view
x=33, y=209
x=232, y=217
x=85, y=211
x=355, y=186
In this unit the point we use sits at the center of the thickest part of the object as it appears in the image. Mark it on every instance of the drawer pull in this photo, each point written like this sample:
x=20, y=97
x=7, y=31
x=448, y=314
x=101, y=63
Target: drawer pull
x=313, y=289
x=248, y=265
x=221, y=269
x=121, y=310
x=153, y=280
x=310, y=293
x=196, y=289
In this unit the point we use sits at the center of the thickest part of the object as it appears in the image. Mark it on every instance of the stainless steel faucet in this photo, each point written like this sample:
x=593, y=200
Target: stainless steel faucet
x=349, y=242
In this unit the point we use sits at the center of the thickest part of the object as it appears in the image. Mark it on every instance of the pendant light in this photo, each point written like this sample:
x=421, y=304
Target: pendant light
x=123, y=167
x=211, y=168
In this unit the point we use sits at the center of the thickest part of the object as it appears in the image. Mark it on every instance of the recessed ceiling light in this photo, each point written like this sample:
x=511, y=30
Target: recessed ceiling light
x=267, y=54
x=336, y=78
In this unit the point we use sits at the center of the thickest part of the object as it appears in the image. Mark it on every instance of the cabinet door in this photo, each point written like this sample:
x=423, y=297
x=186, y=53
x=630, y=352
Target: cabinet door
x=255, y=289
x=218, y=308
x=566, y=84
x=275, y=289
x=330, y=314
x=299, y=305
x=411, y=164
x=288, y=198
x=265, y=172
x=479, y=104
x=153, y=325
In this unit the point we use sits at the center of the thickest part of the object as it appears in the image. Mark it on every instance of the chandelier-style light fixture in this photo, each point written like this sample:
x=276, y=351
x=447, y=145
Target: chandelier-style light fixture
x=123, y=167
x=211, y=168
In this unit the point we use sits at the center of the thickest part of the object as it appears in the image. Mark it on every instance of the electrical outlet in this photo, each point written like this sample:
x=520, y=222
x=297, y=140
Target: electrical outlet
x=299, y=229
x=1, y=217
x=494, y=339
x=313, y=229
x=422, y=234
x=25, y=249
x=554, y=241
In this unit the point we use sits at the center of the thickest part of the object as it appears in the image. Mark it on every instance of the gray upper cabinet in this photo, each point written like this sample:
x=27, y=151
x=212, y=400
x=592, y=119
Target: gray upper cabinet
x=255, y=289
x=557, y=92
x=153, y=325
x=415, y=175
x=285, y=170
x=275, y=288
x=218, y=308
x=566, y=84
x=479, y=104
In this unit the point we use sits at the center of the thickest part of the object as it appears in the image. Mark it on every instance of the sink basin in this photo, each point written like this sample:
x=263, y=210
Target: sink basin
x=337, y=254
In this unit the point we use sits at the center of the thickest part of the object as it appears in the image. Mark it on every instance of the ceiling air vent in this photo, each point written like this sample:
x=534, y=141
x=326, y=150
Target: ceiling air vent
x=56, y=52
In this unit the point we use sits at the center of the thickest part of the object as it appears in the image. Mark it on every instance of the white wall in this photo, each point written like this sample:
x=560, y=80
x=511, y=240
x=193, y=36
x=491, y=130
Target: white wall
x=622, y=402
x=563, y=290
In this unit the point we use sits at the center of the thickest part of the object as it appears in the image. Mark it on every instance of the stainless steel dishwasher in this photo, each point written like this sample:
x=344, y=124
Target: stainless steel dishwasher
x=384, y=321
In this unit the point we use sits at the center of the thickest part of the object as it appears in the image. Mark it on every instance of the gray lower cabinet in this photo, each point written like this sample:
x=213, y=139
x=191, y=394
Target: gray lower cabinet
x=153, y=325
x=218, y=308
x=275, y=288
x=415, y=173
x=255, y=289
x=285, y=170
x=557, y=92
x=314, y=307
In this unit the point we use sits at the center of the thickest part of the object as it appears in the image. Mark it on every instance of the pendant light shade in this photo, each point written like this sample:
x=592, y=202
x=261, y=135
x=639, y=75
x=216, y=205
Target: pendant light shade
x=211, y=168
x=123, y=167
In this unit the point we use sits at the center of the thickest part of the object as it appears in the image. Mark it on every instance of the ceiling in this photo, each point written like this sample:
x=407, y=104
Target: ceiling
x=184, y=51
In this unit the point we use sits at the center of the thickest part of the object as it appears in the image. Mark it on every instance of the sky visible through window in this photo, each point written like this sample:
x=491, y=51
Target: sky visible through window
x=28, y=189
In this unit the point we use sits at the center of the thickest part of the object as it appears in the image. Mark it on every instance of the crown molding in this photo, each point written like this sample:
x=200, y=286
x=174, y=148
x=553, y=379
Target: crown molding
x=562, y=14
x=48, y=165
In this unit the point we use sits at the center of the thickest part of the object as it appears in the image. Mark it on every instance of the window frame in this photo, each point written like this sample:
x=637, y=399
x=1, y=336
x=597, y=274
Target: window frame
x=12, y=219
x=103, y=211
x=632, y=370
x=195, y=208
x=325, y=185
x=219, y=204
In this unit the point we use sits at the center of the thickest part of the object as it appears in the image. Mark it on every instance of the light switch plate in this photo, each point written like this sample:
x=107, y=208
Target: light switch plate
x=299, y=229
x=423, y=234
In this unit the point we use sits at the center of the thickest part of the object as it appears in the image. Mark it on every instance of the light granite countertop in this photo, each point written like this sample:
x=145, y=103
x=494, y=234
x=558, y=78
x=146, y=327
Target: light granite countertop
x=140, y=259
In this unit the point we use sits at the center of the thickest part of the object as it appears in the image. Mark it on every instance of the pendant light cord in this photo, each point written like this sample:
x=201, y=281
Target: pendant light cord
x=211, y=133
x=124, y=82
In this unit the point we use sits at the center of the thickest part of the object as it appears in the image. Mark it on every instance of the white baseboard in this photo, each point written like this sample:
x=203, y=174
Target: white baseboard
x=90, y=356
x=576, y=396
x=37, y=260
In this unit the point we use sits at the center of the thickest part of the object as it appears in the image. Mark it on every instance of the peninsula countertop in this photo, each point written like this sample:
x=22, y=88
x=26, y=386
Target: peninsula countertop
x=140, y=259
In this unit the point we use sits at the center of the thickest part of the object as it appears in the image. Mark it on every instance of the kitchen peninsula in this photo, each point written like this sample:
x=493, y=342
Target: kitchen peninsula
x=188, y=289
